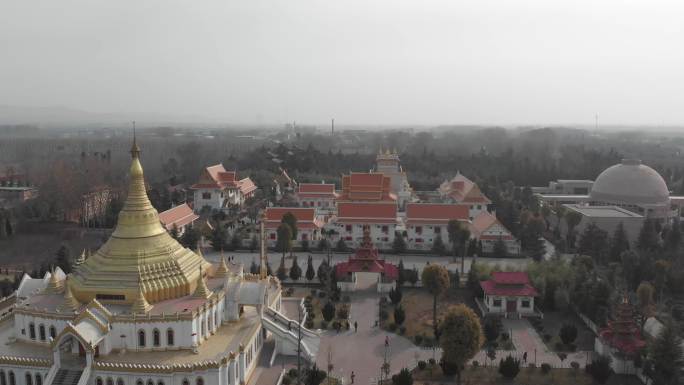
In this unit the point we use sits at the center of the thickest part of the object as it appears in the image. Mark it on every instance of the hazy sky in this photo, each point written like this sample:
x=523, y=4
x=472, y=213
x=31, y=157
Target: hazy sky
x=360, y=61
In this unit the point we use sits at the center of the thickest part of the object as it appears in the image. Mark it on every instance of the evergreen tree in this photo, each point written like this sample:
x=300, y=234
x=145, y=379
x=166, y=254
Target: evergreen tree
x=284, y=240
x=499, y=249
x=323, y=271
x=402, y=273
x=63, y=259
x=291, y=221
x=310, y=272
x=509, y=367
x=399, y=245
x=395, y=295
x=218, y=238
x=304, y=245
x=174, y=232
x=323, y=244
x=328, y=311
x=254, y=268
x=404, y=377
x=341, y=245
x=572, y=219
x=295, y=270
x=538, y=249
x=648, y=237
x=593, y=241
x=619, y=243
x=190, y=237
x=236, y=241
x=253, y=244
x=674, y=235
x=281, y=273
x=438, y=246
x=666, y=353
x=399, y=315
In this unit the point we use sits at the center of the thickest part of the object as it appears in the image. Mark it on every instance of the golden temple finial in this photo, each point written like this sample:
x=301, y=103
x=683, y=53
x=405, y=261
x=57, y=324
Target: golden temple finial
x=222, y=270
x=135, y=150
x=201, y=291
x=140, y=305
x=54, y=285
x=70, y=302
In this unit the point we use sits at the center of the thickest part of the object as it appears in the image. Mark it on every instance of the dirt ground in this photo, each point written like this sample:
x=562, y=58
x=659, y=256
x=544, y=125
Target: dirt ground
x=417, y=304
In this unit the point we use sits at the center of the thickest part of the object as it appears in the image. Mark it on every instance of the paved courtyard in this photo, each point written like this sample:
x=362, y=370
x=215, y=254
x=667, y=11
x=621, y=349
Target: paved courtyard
x=363, y=352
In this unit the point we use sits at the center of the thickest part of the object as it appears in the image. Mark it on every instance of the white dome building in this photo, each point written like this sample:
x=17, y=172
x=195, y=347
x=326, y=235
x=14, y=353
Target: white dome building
x=633, y=186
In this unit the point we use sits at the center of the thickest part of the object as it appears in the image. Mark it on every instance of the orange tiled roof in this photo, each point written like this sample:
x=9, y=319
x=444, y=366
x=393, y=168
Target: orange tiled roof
x=180, y=215
x=483, y=222
x=371, y=212
x=216, y=176
x=359, y=186
x=435, y=212
x=306, y=217
x=462, y=189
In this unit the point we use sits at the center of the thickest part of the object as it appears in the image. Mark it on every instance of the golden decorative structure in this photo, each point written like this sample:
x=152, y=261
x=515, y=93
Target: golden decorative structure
x=222, y=270
x=139, y=257
x=70, y=303
x=54, y=285
x=201, y=291
x=140, y=305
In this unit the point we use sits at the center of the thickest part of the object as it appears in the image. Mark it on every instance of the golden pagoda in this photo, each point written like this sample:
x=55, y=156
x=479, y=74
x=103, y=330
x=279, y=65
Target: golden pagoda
x=140, y=257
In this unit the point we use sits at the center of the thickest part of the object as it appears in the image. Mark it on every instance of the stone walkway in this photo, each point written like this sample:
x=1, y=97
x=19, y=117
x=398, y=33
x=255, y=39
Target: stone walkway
x=363, y=351
x=526, y=339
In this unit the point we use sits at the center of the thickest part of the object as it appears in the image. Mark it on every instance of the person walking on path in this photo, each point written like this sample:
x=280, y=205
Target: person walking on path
x=356, y=326
x=525, y=357
x=352, y=376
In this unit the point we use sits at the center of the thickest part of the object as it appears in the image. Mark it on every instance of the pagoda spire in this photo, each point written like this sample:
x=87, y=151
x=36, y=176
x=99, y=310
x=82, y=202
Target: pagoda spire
x=54, y=285
x=70, y=302
x=135, y=150
x=140, y=305
x=222, y=270
x=201, y=291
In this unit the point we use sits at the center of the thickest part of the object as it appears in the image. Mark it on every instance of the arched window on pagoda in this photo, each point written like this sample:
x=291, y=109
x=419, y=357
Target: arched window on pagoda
x=141, y=338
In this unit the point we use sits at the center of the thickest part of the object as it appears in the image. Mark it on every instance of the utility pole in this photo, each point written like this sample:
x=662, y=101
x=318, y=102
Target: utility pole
x=332, y=128
x=299, y=345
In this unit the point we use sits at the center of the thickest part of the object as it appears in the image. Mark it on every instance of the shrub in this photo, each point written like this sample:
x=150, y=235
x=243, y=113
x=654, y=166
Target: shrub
x=504, y=336
x=383, y=314
x=324, y=324
x=575, y=365
x=428, y=341
x=292, y=373
x=287, y=380
x=547, y=337
x=418, y=339
x=309, y=324
x=343, y=312
x=432, y=362
x=328, y=311
x=545, y=368
x=337, y=325
x=311, y=315
x=422, y=364
x=402, y=330
x=600, y=369
x=531, y=365
x=568, y=333
x=509, y=367
x=395, y=296
x=399, y=315
x=404, y=377
x=476, y=364
x=492, y=328
x=392, y=327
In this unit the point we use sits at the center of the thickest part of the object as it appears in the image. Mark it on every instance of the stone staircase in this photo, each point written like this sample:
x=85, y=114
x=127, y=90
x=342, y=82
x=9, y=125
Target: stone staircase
x=67, y=377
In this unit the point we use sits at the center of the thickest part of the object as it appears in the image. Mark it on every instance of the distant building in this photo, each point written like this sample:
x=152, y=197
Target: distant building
x=606, y=218
x=487, y=229
x=508, y=293
x=566, y=187
x=352, y=217
x=367, y=187
x=425, y=222
x=181, y=217
x=218, y=189
x=630, y=185
x=366, y=260
x=93, y=208
x=320, y=196
x=309, y=225
x=461, y=190
x=387, y=163
x=10, y=196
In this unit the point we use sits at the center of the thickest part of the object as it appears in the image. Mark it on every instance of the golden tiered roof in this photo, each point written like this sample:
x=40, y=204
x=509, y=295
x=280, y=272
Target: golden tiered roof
x=139, y=257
